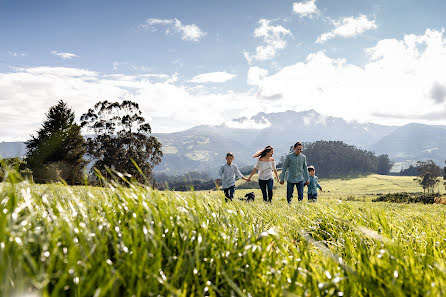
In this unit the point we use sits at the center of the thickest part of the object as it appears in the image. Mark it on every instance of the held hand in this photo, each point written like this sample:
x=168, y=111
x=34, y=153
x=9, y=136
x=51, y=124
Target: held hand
x=281, y=182
x=306, y=183
x=248, y=179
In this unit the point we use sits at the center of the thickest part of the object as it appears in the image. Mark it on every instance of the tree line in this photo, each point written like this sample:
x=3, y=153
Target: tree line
x=120, y=141
x=335, y=159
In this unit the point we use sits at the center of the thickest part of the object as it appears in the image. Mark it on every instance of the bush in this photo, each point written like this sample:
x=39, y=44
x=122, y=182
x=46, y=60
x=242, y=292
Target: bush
x=407, y=198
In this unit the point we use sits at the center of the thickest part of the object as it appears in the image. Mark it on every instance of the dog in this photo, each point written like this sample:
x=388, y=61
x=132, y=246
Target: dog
x=249, y=197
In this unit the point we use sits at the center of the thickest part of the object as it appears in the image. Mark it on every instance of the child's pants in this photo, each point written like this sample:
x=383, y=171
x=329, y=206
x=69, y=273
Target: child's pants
x=312, y=197
x=229, y=193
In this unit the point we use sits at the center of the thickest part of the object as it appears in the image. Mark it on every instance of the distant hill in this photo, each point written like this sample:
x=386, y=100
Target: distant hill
x=12, y=149
x=203, y=148
x=243, y=136
x=414, y=142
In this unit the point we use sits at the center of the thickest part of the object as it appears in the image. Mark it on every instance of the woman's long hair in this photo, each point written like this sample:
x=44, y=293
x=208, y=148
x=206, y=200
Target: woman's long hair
x=262, y=153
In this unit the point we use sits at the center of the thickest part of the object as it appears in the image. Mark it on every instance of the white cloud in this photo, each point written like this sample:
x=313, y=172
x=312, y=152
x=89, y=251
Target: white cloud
x=188, y=32
x=399, y=83
x=305, y=9
x=116, y=65
x=64, y=56
x=256, y=75
x=214, y=77
x=438, y=92
x=17, y=54
x=26, y=95
x=245, y=123
x=348, y=27
x=394, y=87
x=273, y=37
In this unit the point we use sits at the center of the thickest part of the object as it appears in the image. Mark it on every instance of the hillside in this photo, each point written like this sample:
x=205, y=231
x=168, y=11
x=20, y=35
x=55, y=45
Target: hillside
x=203, y=148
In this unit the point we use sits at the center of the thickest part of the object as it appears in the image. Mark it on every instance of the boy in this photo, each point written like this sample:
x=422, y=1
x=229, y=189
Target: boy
x=296, y=165
x=227, y=175
x=313, y=185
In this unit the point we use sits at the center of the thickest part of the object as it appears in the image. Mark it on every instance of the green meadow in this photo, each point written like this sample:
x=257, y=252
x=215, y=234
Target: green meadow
x=57, y=240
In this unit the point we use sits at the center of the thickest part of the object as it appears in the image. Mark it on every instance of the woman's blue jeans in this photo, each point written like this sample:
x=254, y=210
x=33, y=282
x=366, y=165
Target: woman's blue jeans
x=267, y=189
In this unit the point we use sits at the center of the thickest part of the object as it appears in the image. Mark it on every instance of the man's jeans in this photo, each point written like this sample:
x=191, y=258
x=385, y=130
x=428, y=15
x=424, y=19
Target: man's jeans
x=264, y=186
x=229, y=193
x=290, y=189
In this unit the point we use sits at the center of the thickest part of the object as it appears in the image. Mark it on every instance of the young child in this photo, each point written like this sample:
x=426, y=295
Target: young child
x=313, y=185
x=227, y=175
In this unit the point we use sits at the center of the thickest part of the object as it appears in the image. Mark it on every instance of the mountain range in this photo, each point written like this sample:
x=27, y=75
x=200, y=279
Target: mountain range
x=203, y=148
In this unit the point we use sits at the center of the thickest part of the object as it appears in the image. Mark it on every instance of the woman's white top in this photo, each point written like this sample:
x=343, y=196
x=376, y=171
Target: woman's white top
x=265, y=169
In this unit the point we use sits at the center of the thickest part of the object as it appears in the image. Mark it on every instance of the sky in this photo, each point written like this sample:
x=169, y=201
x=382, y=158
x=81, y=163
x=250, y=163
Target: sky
x=190, y=63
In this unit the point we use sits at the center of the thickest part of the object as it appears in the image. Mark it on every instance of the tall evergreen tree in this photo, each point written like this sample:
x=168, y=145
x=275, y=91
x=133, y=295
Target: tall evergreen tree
x=58, y=149
x=121, y=135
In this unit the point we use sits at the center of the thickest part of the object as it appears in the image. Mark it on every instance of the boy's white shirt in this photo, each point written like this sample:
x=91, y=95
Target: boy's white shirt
x=227, y=175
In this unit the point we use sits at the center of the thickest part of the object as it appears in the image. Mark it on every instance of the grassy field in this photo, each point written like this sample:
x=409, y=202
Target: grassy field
x=361, y=189
x=57, y=240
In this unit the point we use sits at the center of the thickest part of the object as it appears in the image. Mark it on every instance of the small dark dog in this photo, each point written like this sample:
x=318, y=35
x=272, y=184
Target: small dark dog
x=249, y=197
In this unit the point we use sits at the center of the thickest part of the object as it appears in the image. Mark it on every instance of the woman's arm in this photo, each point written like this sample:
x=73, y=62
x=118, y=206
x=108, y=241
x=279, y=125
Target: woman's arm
x=252, y=173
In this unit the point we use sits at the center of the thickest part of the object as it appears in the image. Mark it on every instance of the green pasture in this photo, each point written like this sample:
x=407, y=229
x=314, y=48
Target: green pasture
x=57, y=240
x=362, y=188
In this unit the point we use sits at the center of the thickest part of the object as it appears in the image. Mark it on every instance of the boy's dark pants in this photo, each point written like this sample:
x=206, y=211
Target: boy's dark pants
x=264, y=185
x=290, y=190
x=312, y=197
x=229, y=193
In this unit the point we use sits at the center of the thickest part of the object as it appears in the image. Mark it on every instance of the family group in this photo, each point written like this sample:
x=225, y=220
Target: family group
x=294, y=170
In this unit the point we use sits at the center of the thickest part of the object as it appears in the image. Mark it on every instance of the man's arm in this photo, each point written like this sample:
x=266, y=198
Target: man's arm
x=285, y=166
x=305, y=168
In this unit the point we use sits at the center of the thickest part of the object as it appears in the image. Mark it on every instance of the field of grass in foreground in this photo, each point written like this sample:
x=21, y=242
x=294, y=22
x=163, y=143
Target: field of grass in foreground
x=114, y=241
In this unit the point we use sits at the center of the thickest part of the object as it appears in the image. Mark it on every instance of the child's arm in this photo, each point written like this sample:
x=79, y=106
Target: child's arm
x=239, y=174
x=317, y=185
x=220, y=174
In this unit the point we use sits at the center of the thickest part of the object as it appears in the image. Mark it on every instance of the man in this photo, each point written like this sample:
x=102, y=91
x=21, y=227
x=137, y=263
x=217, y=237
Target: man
x=296, y=165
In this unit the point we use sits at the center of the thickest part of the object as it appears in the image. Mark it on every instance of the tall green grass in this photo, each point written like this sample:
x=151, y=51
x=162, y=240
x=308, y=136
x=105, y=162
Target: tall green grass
x=57, y=240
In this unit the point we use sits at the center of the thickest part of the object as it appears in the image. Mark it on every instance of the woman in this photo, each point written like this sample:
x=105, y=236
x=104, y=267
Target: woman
x=266, y=166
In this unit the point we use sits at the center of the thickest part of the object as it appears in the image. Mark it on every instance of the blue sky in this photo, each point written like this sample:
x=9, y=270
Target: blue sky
x=360, y=60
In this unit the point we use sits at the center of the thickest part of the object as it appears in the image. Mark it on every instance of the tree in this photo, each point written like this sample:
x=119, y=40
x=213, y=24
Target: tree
x=338, y=159
x=429, y=166
x=444, y=176
x=428, y=182
x=429, y=173
x=384, y=164
x=16, y=164
x=121, y=135
x=58, y=149
x=410, y=171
